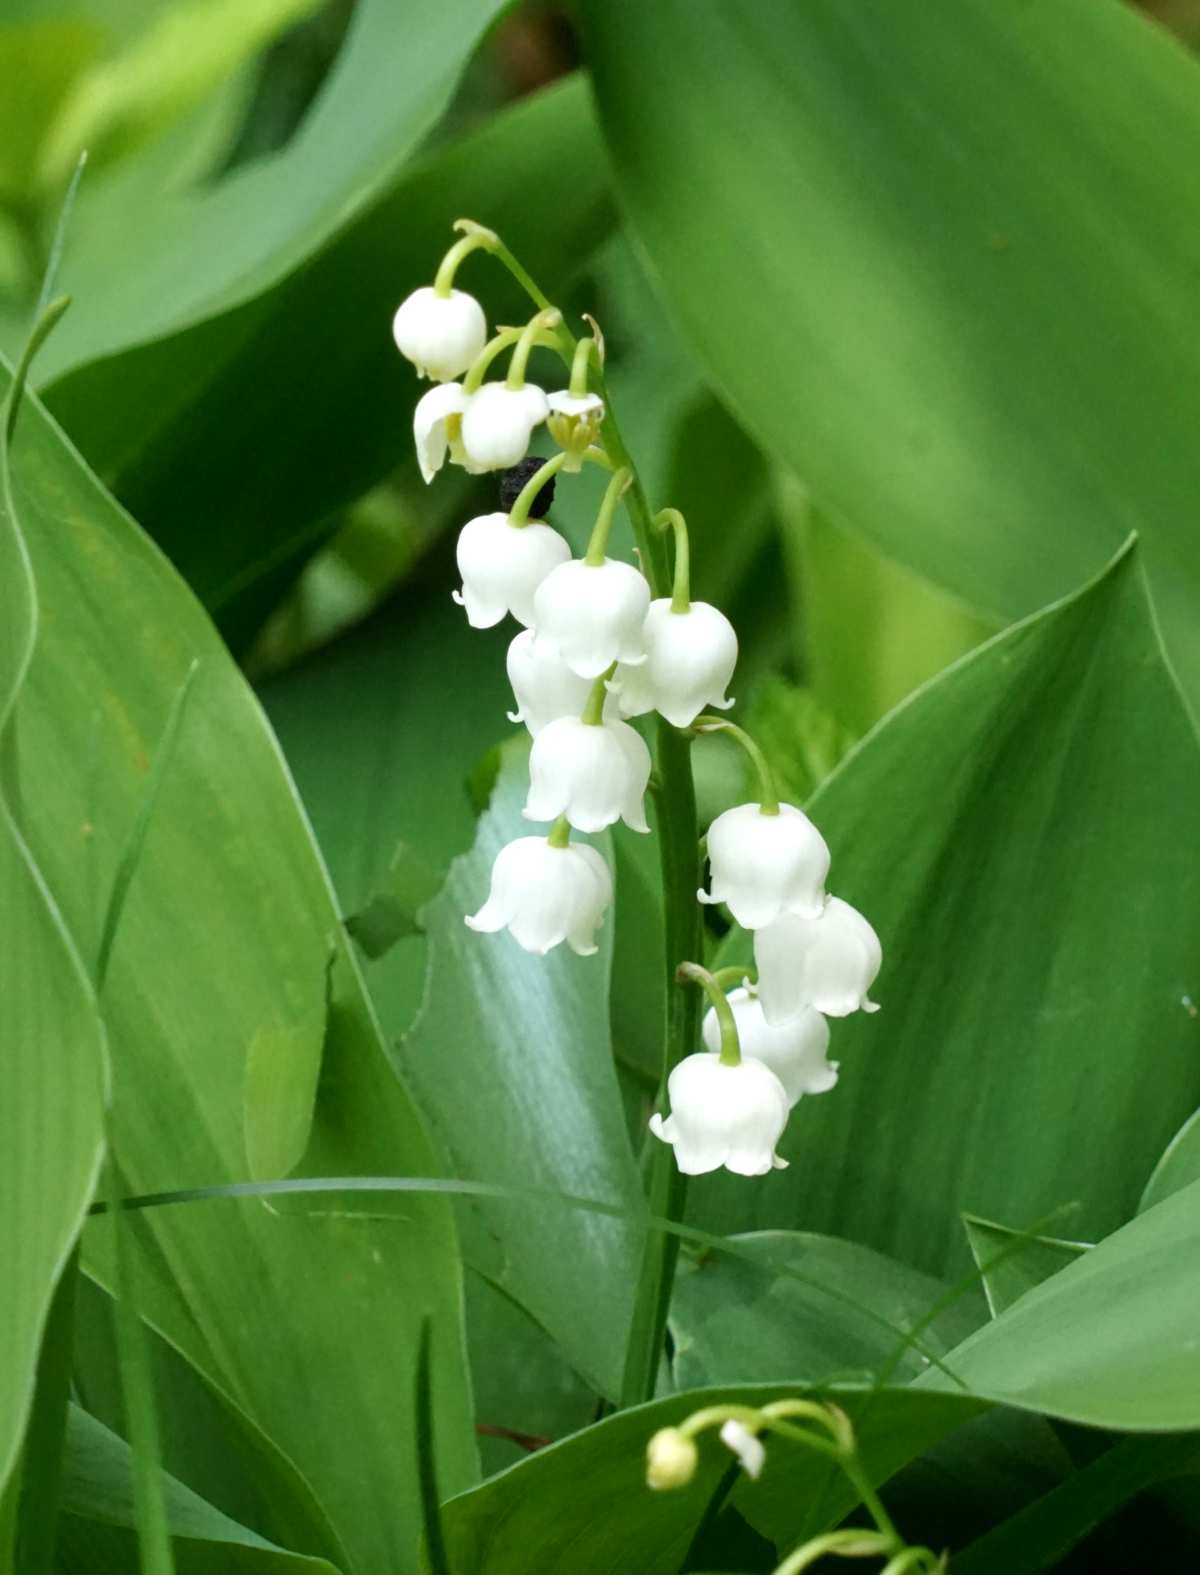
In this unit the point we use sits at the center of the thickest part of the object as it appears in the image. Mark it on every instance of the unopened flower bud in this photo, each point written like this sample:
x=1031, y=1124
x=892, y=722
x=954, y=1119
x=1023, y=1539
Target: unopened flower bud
x=690, y=657
x=749, y=1449
x=543, y=894
x=593, y=614
x=440, y=334
x=498, y=422
x=724, y=1115
x=828, y=962
x=671, y=1458
x=502, y=566
x=765, y=865
x=794, y=1050
x=594, y=775
x=514, y=481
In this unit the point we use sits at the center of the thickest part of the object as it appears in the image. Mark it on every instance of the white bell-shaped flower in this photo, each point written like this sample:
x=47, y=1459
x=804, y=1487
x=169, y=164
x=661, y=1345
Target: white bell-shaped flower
x=765, y=865
x=593, y=614
x=498, y=422
x=544, y=894
x=749, y=1449
x=544, y=686
x=437, y=423
x=574, y=423
x=502, y=566
x=594, y=774
x=795, y=1050
x=828, y=962
x=724, y=1115
x=440, y=334
x=690, y=657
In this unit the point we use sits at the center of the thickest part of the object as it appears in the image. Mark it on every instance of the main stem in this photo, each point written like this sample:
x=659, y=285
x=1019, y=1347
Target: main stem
x=679, y=860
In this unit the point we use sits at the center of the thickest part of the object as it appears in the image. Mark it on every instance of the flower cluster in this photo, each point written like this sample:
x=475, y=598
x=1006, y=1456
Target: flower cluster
x=596, y=650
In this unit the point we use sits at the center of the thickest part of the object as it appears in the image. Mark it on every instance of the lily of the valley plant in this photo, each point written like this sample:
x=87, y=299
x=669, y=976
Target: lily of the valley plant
x=602, y=642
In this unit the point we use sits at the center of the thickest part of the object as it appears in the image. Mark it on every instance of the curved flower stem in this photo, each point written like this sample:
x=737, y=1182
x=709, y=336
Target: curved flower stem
x=475, y=238
x=548, y=321
x=585, y=349
x=735, y=976
x=598, y=540
x=593, y=711
x=560, y=833
x=679, y=856
x=849, y=1543
x=768, y=798
x=693, y=973
x=681, y=590
x=518, y=515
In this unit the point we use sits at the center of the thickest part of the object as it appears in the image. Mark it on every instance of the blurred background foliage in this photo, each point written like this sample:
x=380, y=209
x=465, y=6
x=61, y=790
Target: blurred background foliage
x=897, y=304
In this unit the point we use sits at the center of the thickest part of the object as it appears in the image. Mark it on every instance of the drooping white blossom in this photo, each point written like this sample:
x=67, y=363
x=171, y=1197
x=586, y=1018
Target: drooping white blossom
x=724, y=1115
x=593, y=614
x=543, y=686
x=690, y=657
x=502, y=566
x=794, y=1050
x=595, y=774
x=765, y=865
x=498, y=422
x=436, y=429
x=828, y=962
x=574, y=423
x=544, y=894
x=749, y=1449
x=440, y=334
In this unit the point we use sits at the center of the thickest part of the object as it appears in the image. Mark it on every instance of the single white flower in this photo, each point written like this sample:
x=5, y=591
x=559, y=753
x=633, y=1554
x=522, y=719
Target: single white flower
x=544, y=894
x=593, y=614
x=724, y=1115
x=544, y=686
x=440, y=334
x=576, y=405
x=502, y=566
x=765, y=865
x=749, y=1449
x=794, y=1050
x=828, y=962
x=574, y=423
x=594, y=774
x=437, y=423
x=671, y=1458
x=498, y=422
x=690, y=657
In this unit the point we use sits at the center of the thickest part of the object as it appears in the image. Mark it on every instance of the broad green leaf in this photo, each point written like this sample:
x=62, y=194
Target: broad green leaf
x=892, y=232
x=738, y=1322
x=1103, y=1341
x=582, y=1507
x=1179, y=1165
x=228, y=925
x=1010, y=1264
x=323, y=399
x=53, y=1059
x=1021, y=864
x=511, y=1065
x=97, y=1535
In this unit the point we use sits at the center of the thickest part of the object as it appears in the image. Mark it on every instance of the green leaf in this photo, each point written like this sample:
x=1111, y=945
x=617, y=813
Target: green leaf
x=555, y=1511
x=324, y=400
x=394, y=913
x=511, y=1065
x=897, y=273
x=1011, y=1263
x=1021, y=864
x=1101, y=1342
x=737, y=1322
x=1179, y=1165
x=227, y=925
x=97, y=1534
x=39, y=62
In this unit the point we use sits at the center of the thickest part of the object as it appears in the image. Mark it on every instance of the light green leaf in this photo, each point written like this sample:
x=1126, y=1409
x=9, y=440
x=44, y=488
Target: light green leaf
x=941, y=256
x=554, y=1512
x=97, y=1535
x=738, y=1322
x=39, y=63
x=228, y=925
x=511, y=1065
x=1010, y=1263
x=1020, y=861
x=1179, y=1165
x=324, y=400
x=1103, y=1341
